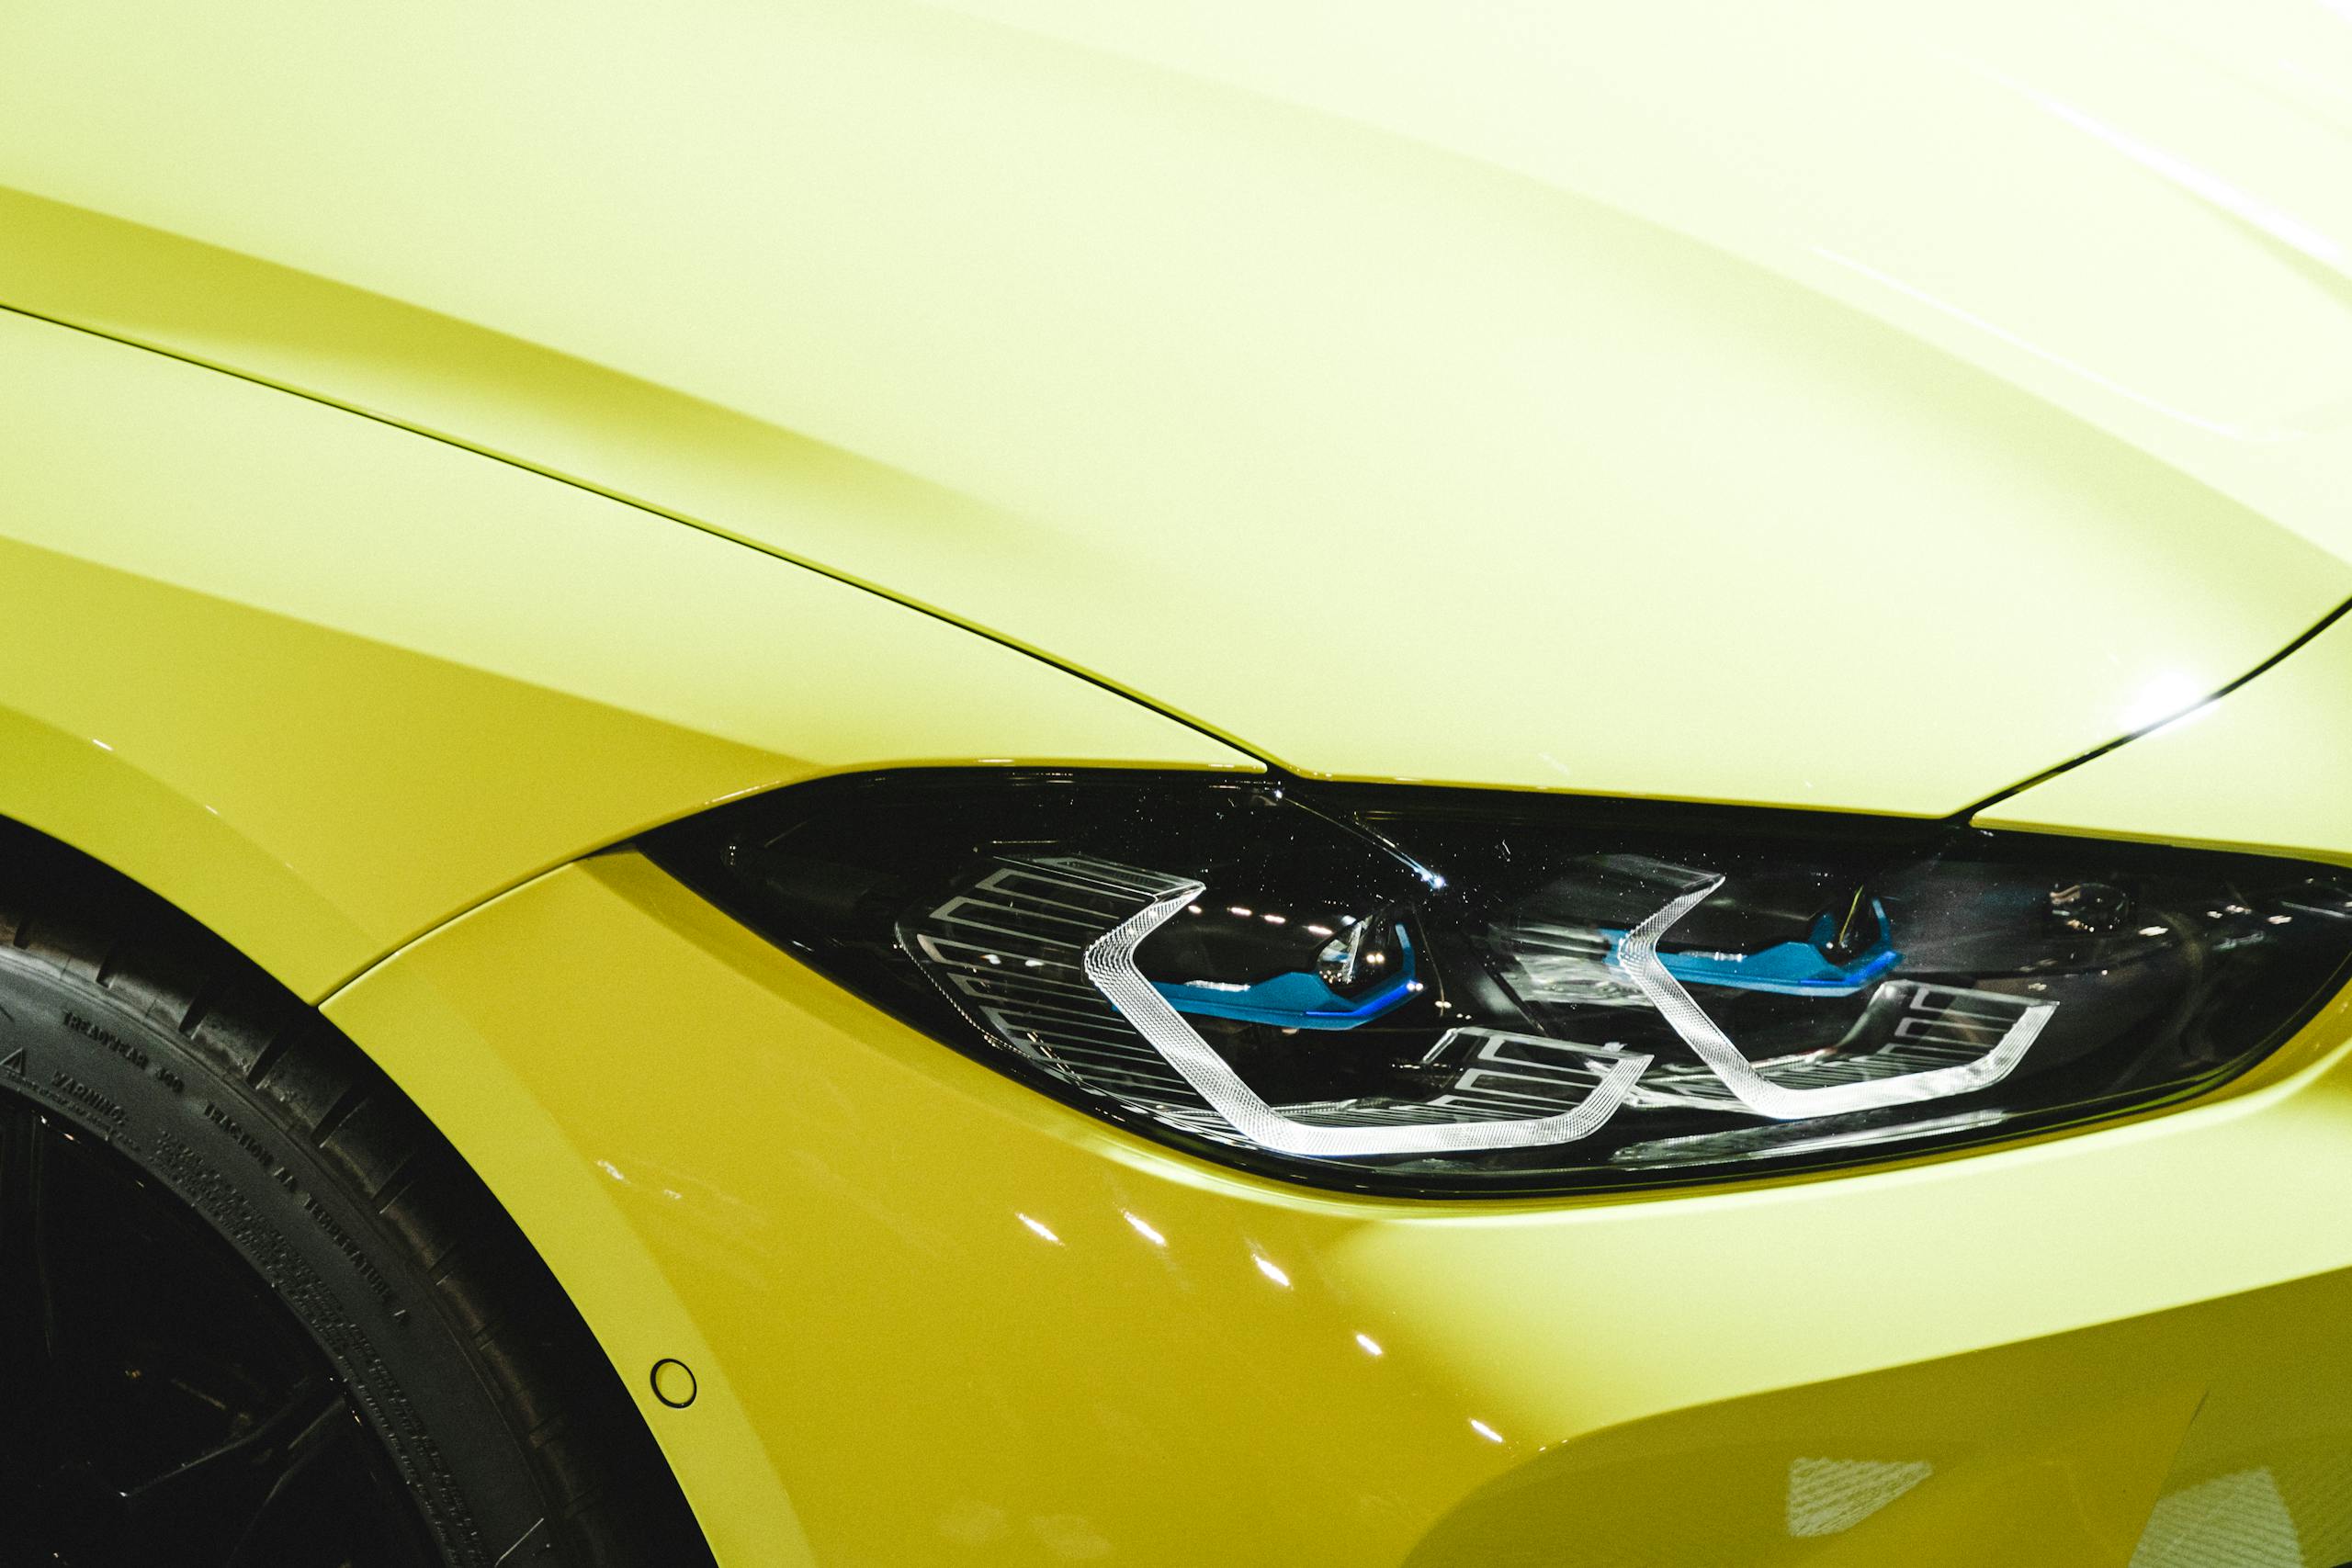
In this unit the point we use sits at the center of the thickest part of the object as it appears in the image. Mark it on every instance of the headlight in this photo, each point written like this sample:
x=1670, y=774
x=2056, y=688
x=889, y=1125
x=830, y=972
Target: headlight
x=1441, y=991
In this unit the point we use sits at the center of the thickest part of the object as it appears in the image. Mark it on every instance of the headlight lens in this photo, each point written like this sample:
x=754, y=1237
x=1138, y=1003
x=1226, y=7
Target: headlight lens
x=1447, y=991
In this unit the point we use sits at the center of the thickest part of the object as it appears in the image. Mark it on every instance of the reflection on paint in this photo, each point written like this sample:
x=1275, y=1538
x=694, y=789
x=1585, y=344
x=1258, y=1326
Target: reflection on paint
x=1827, y=1496
x=2237, y=1520
x=2073, y=367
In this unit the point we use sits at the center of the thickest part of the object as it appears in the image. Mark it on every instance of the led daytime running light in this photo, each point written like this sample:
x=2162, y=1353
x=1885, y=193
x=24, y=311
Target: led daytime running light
x=1641, y=962
x=1109, y=963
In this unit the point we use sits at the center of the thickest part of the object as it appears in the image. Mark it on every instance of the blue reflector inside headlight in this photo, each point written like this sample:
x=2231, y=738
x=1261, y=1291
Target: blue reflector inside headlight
x=1787, y=968
x=1298, y=1000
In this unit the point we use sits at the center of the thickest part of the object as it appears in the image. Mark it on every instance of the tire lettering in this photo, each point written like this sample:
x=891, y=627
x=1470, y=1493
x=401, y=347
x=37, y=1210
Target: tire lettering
x=85, y=1096
x=108, y=1038
x=245, y=1141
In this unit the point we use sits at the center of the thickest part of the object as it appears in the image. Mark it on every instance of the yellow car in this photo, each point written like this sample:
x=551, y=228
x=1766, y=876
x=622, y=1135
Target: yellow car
x=1022, y=782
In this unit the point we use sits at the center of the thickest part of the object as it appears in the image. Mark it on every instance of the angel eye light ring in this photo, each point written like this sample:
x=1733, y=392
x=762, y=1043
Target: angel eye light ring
x=1639, y=957
x=1109, y=963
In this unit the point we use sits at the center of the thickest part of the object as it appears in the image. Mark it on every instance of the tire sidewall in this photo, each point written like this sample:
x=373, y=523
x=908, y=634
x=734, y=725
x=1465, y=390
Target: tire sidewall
x=94, y=1062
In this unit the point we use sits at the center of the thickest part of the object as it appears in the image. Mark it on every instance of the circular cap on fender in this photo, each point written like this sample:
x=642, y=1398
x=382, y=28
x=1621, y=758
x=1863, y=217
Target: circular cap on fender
x=674, y=1384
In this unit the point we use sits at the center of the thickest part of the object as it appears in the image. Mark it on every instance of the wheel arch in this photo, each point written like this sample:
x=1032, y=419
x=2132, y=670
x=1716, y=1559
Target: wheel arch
x=437, y=1059
x=99, y=897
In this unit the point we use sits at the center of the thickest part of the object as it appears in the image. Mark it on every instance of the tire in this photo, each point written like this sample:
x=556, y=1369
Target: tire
x=256, y=1310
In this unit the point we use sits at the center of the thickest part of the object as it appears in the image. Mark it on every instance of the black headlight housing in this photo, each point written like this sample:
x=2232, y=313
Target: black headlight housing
x=1447, y=992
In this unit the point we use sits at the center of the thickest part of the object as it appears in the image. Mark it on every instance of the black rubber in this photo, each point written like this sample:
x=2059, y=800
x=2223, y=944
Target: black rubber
x=122, y=1023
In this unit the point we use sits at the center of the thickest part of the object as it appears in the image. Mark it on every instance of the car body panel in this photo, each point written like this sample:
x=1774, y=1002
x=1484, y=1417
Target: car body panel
x=970, y=1325
x=1464, y=364
x=325, y=683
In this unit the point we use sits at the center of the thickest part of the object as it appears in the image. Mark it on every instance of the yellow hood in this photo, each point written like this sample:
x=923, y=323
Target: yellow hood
x=1840, y=406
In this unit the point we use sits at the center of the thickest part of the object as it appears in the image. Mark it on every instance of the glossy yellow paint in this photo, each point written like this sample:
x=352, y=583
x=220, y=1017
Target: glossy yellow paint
x=1979, y=381
x=325, y=684
x=2263, y=768
x=956, y=1321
